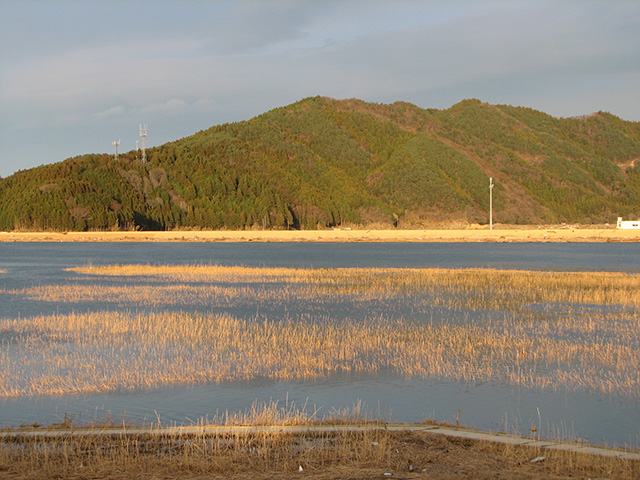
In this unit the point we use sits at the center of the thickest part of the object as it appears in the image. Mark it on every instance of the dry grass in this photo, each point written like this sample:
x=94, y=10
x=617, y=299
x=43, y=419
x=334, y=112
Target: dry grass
x=489, y=287
x=195, y=273
x=107, y=351
x=158, y=295
x=533, y=330
x=344, y=455
x=367, y=452
x=525, y=293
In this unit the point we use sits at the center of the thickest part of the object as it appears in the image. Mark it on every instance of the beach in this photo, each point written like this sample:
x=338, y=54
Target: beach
x=480, y=234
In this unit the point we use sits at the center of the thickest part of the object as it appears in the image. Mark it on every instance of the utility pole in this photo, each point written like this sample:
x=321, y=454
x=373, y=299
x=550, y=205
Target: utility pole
x=490, y=203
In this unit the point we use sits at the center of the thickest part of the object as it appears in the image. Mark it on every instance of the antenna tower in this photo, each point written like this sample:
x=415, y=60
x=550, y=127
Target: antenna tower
x=116, y=143
x=143, y=135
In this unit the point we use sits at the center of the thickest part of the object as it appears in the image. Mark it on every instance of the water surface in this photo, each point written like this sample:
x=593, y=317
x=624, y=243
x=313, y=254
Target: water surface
x=492, y=407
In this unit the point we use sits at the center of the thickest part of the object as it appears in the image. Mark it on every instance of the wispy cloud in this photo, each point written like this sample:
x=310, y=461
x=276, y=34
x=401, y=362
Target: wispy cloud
x=117, y=110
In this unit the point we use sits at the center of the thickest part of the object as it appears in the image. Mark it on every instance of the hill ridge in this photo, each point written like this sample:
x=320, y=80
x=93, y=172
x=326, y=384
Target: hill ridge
x=322, y=162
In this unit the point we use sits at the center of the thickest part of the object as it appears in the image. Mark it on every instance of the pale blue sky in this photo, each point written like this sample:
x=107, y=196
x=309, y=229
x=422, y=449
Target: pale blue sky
x=76, y=75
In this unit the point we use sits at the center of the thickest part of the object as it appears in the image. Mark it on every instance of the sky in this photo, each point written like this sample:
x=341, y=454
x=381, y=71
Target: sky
x=77, y=75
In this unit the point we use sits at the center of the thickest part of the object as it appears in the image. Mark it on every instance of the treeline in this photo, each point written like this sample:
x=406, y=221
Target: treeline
x=321, y=163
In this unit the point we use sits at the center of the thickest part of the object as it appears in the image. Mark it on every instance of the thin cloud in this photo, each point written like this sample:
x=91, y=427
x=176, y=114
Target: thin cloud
x=117, y=110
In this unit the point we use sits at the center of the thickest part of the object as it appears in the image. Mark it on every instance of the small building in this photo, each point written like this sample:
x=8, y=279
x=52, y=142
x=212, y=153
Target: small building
x=628, y=224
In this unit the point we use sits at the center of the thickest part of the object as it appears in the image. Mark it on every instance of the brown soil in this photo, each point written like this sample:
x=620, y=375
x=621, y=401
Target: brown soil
x=364, y=455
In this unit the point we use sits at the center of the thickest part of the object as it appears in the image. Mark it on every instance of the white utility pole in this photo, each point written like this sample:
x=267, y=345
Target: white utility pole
x=115, y=144
x=490, y=203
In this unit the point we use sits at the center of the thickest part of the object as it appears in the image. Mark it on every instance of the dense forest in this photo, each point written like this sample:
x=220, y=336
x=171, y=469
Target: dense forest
x=322, y=163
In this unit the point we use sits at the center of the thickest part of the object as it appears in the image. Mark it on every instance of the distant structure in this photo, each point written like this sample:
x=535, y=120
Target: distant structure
x=628, y=224
x=116, y=143
x=491, y=185
x=143, y=135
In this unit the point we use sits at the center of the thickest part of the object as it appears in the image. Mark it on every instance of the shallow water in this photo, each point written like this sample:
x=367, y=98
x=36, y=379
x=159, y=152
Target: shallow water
x=598, y=419
x=497, y=408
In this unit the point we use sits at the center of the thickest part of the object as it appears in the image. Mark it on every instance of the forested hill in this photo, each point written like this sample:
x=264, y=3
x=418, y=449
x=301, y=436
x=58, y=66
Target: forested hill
x=322, y=162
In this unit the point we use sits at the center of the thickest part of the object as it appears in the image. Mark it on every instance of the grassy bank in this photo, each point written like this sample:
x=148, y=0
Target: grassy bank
x=356, y=448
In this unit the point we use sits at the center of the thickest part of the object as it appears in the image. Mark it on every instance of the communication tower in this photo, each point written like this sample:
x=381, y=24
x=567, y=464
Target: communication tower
x=143, y=135
x=116, y=143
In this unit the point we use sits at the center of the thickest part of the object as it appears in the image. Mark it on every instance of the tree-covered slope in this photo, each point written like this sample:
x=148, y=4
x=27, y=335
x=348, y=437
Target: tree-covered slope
x=322, y=162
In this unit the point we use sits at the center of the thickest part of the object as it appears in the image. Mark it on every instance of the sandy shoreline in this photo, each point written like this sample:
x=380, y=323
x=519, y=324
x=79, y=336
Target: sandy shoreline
x=533, y=234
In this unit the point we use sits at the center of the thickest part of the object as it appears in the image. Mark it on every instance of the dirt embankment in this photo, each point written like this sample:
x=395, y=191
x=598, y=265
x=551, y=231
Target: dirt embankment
x=528, y=234
x=366, y=453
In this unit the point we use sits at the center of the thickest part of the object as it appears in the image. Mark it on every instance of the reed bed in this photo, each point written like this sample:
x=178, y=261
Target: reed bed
x=535, y=329
x=195, y=273
x=273, y=413
x=476, y=289
x=158, y=295
x=109, y=351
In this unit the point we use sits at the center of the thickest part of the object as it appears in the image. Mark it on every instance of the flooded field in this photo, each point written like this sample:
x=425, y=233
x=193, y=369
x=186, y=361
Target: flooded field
x=495, y=348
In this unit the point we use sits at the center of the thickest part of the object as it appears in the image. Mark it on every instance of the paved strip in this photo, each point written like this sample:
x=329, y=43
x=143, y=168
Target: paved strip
x=214, y=430
x=531, y=442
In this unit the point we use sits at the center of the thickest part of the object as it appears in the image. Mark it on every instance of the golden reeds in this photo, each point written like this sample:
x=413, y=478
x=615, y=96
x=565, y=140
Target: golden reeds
x=103, y=351
x=191, y=273
x=592, y=287
x=156, y=295
x=536, y=329
x=478, y=289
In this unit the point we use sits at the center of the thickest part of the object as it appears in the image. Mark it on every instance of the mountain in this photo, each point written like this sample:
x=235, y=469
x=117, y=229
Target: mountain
x=322, y=162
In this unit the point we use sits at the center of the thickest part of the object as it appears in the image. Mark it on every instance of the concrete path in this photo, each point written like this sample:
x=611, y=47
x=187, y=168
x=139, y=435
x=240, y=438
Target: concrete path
x=212, y=430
